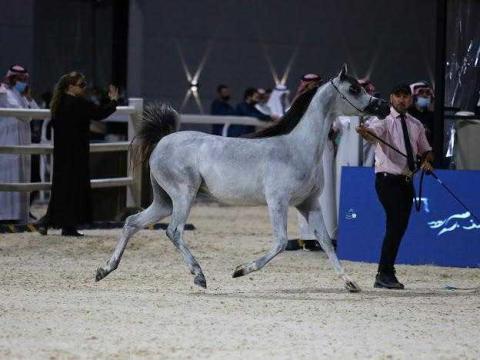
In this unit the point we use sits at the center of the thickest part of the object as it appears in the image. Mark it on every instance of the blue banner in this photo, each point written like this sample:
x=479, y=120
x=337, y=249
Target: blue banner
x=442, y=233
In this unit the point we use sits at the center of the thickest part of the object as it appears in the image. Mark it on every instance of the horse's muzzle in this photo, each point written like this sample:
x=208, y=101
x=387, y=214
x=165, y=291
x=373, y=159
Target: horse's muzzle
x=378, y=108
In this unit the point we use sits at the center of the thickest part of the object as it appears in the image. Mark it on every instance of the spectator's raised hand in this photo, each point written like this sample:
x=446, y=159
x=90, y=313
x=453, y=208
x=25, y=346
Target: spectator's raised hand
x=113, y=92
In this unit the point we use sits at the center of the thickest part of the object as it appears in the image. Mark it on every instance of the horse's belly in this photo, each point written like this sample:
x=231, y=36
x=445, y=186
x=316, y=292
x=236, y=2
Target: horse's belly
x=233, y=191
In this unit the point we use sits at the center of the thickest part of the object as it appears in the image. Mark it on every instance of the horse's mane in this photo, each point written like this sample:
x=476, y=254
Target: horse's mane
x=288, y=121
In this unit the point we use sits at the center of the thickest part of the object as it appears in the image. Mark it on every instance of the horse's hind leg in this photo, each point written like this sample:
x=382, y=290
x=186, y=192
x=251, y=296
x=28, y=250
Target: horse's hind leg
x=160, y=208
x=181, y=209
x=278, y=211
x=315, y=220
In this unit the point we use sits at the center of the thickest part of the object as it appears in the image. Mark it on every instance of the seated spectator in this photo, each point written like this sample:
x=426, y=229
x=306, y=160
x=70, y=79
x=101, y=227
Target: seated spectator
x=422, y=107
x=220, y=106
x=247, y=108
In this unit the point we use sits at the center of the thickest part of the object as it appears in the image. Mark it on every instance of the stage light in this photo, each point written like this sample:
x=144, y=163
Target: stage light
x=194, y=86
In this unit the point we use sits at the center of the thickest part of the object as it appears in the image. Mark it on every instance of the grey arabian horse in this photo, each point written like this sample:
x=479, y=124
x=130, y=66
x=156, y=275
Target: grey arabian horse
x=280, y=166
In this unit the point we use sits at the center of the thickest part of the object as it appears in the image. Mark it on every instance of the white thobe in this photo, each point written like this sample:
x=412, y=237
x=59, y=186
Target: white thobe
x=14, y=168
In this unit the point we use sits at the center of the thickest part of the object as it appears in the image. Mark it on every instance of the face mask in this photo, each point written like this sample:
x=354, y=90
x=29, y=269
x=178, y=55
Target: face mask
x=423, y=102
x=20, y=86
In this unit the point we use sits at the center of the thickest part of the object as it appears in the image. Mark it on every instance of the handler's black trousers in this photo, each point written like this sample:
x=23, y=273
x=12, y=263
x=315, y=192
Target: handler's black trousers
x=396, y=194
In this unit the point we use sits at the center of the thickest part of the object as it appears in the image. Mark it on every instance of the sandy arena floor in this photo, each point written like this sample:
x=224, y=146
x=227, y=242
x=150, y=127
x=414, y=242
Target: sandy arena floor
x=295, y=308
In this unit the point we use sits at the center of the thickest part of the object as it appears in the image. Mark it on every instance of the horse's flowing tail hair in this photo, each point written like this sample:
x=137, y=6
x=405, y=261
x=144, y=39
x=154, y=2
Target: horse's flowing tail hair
x=158, y=120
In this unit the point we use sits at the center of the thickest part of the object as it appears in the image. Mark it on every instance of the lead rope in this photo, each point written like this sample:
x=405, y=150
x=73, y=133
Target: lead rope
x=418, y=203
x=416, y=200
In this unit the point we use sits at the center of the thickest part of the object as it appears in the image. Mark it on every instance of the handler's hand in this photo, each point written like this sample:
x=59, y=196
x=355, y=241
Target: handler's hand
x=426, y=166
x=363, y=131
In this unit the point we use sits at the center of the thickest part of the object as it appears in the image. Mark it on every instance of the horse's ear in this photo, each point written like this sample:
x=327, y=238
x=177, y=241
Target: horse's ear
x=343, y=72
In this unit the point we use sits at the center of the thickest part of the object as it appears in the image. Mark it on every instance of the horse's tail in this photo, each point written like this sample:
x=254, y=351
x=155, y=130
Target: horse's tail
x=158, y=120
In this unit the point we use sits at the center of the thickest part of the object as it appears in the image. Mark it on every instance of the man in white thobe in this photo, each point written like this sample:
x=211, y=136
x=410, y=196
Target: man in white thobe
x=14, y=206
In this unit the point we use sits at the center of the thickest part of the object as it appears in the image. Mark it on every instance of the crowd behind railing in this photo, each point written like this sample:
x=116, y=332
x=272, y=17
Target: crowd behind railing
x=266, y=105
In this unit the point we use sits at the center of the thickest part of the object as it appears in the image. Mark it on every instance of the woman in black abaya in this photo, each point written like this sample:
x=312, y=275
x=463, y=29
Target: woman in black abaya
x=70, y=203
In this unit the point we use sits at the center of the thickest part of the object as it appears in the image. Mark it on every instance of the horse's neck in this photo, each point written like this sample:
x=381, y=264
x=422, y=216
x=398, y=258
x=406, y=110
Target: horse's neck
x=310, y=135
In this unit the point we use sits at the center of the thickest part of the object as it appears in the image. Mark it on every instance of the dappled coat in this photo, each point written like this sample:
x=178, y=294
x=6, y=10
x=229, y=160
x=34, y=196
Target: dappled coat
x=70, y=203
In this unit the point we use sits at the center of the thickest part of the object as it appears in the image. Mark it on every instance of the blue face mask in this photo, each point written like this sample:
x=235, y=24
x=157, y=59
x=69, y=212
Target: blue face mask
x=20, y=86
x=423, y=102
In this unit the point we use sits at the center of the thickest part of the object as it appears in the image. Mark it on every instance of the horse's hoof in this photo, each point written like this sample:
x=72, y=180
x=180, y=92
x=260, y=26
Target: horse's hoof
x=352, y=287
x=239, y=271
x=200, y=281
x=101, y=273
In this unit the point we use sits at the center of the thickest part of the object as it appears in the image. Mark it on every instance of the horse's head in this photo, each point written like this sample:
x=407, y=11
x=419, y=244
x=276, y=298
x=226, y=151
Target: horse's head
x=352, y=99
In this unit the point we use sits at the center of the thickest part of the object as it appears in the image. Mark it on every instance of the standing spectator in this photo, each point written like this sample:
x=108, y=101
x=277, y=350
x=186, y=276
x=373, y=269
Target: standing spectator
x=14, y=206
x=422, y=107
x=307, y=82
x=327, y=198
x=367, y=149
x=36, y=133
x=278, y=102
x=393, y=173
x=263, y=98
x=70, y=203
x=247, y=108
x=220, y=106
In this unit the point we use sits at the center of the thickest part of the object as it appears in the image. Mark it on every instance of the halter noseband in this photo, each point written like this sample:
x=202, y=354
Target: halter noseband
x=348, y=101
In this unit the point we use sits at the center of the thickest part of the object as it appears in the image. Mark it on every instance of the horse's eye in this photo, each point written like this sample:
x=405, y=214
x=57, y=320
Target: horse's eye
x=354, y=90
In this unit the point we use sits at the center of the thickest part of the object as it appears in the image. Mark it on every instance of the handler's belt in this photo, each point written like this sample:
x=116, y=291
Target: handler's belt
x=407, y=178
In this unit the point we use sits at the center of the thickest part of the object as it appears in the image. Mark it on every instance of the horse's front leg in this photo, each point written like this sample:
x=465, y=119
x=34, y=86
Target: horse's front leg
x=313, y=214
x=278, y=210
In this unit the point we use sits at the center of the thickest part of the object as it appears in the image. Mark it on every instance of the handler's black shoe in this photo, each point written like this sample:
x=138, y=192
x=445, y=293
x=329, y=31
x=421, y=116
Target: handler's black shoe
x=387, y=281
x=70, y=231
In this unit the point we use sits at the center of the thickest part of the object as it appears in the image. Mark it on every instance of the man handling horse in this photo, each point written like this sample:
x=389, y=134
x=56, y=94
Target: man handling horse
x=393, y=180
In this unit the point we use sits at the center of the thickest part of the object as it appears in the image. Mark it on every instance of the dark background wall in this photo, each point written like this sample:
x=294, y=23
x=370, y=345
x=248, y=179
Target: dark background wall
x=16, y=34
x=390, y=41
x=241, y=42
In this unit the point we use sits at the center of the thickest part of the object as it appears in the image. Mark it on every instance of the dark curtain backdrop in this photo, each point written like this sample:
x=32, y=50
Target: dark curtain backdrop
x=85, y=35
x=247, y=43
x=238, y=42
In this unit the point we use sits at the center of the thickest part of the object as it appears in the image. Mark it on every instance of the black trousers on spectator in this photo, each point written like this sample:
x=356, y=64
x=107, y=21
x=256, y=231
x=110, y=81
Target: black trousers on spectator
x=396, y=194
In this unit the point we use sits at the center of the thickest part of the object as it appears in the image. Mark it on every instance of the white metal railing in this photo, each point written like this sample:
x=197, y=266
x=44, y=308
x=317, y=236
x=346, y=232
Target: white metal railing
x=124, y=114
x=209, y=120
x=133, y=179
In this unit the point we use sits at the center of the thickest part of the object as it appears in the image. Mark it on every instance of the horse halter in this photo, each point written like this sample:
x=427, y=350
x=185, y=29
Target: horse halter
x=348, y=101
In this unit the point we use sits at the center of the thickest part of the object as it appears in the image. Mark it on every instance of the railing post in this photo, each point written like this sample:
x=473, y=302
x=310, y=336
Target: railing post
x=134, y=190
x=225, y=129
